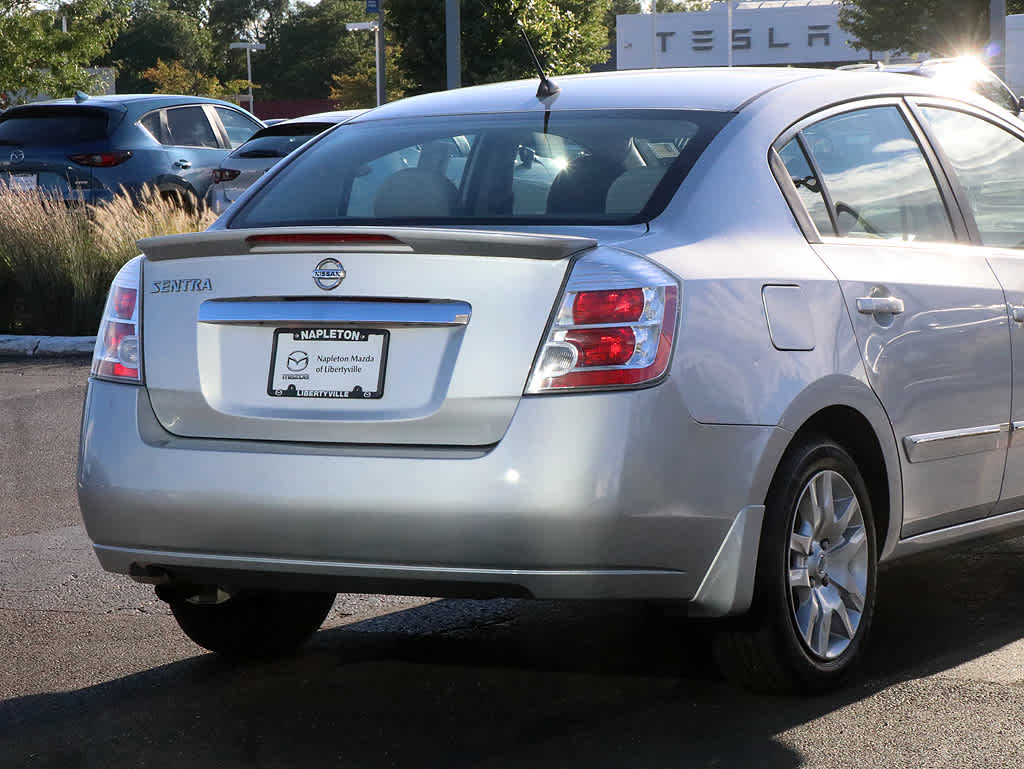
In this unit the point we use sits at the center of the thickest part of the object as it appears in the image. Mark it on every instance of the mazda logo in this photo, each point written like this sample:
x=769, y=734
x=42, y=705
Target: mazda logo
x=328, y=274
x=297, y=361
x=17, y=156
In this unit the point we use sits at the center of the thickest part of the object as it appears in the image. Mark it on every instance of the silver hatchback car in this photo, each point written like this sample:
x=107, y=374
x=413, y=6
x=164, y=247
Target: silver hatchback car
x=726, y=337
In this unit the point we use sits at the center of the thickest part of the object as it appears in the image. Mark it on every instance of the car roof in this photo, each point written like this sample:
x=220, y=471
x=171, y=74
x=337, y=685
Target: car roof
x=119, y=101
x=337, y=116
x=719, y=89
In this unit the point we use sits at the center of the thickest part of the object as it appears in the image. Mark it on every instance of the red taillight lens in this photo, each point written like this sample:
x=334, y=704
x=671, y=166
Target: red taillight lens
x=224, y=175
x=101, y=159
x=618, y=336
x=118, y=353
x=124, y=302
x=623, y=306
x=603, y=347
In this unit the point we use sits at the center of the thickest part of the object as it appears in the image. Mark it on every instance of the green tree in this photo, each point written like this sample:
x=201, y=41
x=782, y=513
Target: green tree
x=942, y=27
x=37, y=56
x=175, y=77
x=358, y=88
x=568, y=35
x=312, y=45
x=157, y=32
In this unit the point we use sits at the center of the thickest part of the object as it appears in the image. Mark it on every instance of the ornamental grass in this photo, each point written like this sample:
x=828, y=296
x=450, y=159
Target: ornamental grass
x=57, y=259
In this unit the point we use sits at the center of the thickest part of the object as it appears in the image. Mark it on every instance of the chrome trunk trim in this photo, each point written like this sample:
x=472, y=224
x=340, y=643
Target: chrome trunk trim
x=334, y=311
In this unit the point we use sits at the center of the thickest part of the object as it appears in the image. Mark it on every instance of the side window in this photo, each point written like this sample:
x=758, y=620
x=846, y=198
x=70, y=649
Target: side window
x=151, y=123
x=189, y=127
x=808, y=185
x=238, y=126
x=878, y=179
x=990, y=165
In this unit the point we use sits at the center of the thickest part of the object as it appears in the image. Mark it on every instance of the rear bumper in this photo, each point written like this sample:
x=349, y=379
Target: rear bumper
x=587, y=496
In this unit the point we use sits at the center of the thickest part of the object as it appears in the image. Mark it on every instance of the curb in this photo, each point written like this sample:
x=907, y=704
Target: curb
x=29, y=346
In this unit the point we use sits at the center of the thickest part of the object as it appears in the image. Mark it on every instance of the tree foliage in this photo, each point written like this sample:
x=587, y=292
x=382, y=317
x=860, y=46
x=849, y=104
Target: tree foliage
x=942, y=27
x=155, y=33
x=568, y=35
x=37, y=57
x=358, y=88
x=175, y=77
x=327, y=48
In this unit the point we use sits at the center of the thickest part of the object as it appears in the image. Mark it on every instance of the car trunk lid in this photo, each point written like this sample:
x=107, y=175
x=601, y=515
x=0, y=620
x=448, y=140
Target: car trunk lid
x=365, y=335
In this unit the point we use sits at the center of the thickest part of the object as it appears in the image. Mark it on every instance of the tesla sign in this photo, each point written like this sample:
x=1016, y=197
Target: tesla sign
x=791, y=32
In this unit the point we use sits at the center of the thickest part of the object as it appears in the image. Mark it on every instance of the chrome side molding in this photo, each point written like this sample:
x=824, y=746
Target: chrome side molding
x=926, y=447
x=340, y=311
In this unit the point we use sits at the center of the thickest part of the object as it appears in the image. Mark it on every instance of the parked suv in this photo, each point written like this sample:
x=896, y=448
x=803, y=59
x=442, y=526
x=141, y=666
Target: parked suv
x=87, y=147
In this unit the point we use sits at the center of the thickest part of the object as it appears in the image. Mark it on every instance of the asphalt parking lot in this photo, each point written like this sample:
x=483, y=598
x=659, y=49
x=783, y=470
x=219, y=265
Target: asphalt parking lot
x=94, y=672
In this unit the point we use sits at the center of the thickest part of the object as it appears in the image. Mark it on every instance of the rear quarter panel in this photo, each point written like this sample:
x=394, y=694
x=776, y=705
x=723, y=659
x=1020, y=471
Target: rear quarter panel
x=727, y=234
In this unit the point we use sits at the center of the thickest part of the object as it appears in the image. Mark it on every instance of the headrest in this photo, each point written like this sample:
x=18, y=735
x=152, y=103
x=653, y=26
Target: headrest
x=415, y=192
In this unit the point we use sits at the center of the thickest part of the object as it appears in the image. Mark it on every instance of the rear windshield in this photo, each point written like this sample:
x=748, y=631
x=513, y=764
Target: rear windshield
x=572, y=167
x=277, y=141
x=53, y=125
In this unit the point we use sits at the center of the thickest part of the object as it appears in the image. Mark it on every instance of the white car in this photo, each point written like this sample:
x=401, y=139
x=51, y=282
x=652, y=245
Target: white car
x=264, y=148
x=726, y=337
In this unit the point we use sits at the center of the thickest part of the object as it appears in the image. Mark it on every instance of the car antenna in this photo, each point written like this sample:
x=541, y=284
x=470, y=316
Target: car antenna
x=81, y=96
x=547, y=87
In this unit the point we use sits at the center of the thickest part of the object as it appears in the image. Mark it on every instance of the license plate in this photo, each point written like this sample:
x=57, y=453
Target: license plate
x=328, y=363
x=23, y=182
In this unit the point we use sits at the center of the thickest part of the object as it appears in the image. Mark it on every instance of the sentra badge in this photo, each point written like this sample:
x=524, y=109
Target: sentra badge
x=328, y=274
x=184, y=284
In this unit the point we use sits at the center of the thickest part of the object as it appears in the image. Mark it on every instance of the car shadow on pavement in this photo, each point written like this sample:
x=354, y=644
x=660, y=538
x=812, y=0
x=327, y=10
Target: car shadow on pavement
x=508, y=684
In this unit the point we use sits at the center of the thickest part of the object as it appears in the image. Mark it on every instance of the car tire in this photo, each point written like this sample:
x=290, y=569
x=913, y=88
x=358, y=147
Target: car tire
x=253, y=623
x=814, y=596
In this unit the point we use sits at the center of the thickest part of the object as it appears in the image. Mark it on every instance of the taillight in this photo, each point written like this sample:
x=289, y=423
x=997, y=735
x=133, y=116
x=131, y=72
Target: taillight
x=224, y=175
x=615, y=326
x=101, y=159
x=118, y=352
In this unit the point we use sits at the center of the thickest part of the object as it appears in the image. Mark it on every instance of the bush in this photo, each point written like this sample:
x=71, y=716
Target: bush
x=60, y=258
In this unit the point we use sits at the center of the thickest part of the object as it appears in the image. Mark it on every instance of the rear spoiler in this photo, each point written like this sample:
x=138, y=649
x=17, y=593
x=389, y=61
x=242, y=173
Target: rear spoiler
x=363, y=239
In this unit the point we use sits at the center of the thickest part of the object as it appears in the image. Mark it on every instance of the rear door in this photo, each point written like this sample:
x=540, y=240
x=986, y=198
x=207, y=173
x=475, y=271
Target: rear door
x=986, y=160
x=928, y=313
x=194, y=148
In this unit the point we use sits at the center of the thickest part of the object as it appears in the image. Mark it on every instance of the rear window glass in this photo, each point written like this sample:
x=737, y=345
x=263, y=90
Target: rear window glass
x=278, y=141
x=600, y=166
x=53, y=125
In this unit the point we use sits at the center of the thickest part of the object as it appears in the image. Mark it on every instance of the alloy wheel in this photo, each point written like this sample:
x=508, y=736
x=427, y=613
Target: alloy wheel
x=828, y=565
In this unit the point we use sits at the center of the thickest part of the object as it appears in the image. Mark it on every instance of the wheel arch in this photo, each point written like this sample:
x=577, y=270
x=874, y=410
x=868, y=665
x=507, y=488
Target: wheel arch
x=852, y=416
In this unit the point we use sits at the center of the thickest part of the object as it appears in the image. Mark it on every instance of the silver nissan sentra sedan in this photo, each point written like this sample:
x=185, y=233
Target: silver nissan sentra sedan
x=727, y=337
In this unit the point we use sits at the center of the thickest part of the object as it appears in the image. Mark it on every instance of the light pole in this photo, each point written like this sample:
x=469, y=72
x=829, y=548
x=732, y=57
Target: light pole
x=453, y=43
x=997, y=47
x=378, y=46
x=249, y=48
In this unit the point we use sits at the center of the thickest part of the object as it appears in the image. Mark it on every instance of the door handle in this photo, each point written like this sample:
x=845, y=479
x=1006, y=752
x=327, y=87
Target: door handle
x=871, y=305
x=183, y=164
x=1018, y=314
